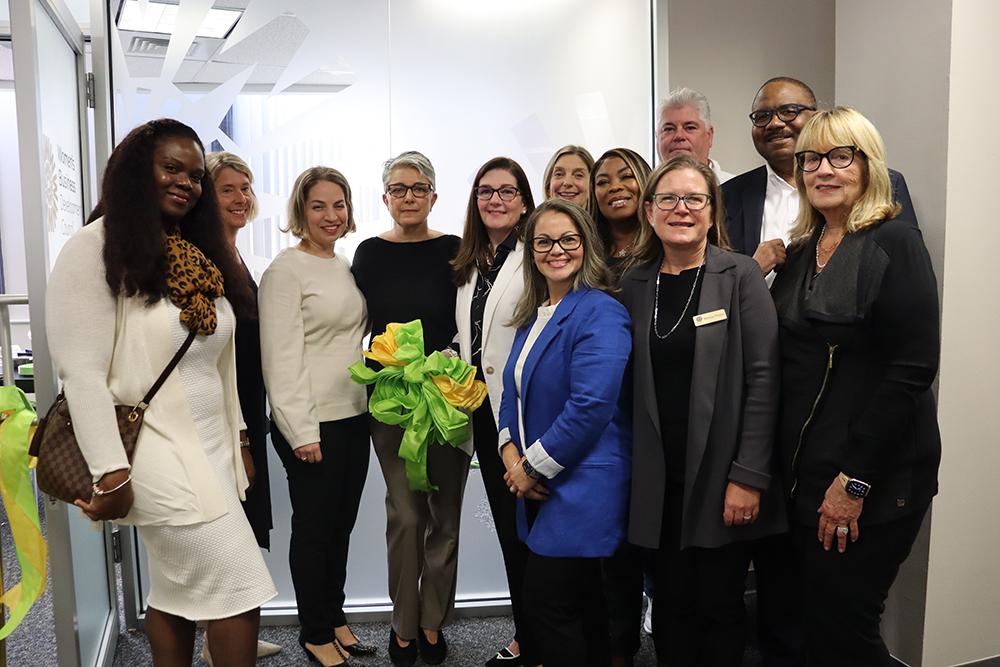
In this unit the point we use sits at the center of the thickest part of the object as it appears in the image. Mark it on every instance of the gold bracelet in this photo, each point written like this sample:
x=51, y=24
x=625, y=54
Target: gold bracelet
x=98, y=491
x=245, y=443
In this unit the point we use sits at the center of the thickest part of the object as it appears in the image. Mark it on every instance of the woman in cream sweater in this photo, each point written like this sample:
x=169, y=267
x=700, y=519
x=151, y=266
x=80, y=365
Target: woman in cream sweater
x=312, y=320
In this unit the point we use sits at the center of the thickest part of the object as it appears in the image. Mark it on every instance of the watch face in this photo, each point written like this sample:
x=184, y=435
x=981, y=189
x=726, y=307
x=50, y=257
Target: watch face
x=857, y=488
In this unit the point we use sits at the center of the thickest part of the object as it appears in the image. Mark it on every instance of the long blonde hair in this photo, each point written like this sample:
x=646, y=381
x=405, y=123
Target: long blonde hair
x=845, y=126
x=594, y=272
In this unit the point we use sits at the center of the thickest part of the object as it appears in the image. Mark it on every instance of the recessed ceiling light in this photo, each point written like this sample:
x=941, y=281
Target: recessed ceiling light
x=161, y=18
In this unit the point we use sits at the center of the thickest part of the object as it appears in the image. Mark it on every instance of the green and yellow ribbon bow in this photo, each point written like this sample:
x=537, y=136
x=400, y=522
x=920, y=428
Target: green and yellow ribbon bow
x=19, y=501
x=429, y=396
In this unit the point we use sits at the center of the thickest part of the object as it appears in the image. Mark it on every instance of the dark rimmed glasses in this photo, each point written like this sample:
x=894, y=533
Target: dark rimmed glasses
x=568, y=242
x=694, y=201
x=506, y=192
x=419, y=190
x=839, y=157
x=786, y=113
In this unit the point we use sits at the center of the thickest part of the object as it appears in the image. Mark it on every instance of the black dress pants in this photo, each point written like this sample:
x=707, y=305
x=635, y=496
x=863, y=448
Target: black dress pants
x=325, y=497
x=503, y=505
x=699, y=619
x=623, y=592
x=776, y=569
x=844, y=593
x=565, y=607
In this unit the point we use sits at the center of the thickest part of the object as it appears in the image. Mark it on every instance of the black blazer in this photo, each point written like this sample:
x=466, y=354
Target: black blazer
x=743, y=197
x=733, y=406
x=859, y=352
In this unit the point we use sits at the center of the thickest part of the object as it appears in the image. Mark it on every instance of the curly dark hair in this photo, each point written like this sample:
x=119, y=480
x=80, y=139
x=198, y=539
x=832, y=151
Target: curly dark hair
x=135, y=256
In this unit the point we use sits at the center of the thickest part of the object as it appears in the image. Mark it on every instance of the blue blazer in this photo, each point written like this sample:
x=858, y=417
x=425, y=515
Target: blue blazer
x=570, y=390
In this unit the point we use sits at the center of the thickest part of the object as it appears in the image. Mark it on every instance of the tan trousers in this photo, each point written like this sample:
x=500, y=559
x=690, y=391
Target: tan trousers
x=421, y=533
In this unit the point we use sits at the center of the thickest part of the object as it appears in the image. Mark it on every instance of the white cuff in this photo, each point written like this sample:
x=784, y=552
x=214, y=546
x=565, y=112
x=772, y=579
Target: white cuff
x=503, y=438
x=541, y=461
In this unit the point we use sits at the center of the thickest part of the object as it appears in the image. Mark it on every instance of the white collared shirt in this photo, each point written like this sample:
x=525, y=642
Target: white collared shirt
x=781, y=206
x=721, y=175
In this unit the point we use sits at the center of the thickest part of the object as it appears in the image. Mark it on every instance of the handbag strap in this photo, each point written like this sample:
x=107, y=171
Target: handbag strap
x=144, y=403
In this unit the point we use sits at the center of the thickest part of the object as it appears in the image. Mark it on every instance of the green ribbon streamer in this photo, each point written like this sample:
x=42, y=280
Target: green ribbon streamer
x=406, y=396
x=19, y=502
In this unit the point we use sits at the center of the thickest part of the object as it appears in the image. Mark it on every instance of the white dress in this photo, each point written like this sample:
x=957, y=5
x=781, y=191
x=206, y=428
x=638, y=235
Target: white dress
x=212, y=570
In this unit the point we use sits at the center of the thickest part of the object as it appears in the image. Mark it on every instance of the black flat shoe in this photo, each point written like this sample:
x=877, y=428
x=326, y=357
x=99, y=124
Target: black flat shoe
x=433, y=654
x=504, y=659
x=401, y=656
x=313, y=660
x=358, y=648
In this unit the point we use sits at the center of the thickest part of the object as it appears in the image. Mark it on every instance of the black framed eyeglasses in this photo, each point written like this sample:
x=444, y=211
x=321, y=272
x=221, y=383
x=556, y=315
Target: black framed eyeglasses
x=506, y=192
x=567, y=242
x=694, y=201
x=786, y=113
x=839, y=157
x=419, y=190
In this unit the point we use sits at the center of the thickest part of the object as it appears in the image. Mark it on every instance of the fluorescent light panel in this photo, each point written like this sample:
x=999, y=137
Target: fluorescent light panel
x=161, y=18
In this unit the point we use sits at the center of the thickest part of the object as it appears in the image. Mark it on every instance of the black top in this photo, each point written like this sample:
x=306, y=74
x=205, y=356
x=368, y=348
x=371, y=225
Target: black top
x=673, y=361
x=859, y=353
x=486, y=276
x=253, y=402
x=403, y=282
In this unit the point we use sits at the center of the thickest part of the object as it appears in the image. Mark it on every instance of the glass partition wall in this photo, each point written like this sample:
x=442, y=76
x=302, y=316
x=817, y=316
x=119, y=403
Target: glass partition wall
x=349, y=84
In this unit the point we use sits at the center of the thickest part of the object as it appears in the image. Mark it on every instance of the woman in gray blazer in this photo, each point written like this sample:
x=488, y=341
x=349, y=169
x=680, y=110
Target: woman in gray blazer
x=705, y=385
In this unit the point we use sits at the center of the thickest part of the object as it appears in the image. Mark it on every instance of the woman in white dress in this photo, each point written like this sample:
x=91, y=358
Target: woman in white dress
x=123, y=296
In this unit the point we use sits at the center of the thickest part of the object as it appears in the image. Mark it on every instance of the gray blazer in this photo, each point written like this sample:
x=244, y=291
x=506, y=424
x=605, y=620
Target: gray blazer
x=733, y=408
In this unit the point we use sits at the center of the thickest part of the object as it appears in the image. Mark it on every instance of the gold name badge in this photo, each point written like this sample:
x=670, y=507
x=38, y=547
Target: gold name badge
x=708, y=318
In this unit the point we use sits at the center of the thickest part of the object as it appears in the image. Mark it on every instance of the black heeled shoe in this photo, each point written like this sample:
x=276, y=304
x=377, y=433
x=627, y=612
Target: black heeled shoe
x=433, y=654
x=402, y=656
x=313, y=660
x=358, y=648
x=504, y=658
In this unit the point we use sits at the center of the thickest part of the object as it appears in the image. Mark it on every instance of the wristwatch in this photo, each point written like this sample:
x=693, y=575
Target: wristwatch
x=855, y=487
x=529, y=470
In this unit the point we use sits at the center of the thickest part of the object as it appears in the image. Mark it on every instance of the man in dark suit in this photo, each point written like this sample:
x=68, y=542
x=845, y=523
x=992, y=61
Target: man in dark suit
x=761, y=204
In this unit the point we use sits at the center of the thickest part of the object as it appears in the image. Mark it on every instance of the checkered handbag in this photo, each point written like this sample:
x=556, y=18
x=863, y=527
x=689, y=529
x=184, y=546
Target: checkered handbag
x=62, y=470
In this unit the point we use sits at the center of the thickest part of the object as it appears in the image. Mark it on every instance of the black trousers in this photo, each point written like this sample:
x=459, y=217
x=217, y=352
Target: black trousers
x=325, y=497
x=776, y=569
x=844, y=593
x=699, y=619
x=623, y=593
x=503, y=505
x=566, y=610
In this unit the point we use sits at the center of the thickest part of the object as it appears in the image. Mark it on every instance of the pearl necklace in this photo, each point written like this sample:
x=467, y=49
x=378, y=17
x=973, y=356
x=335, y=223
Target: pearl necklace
x=819, y=242
x=656, y=305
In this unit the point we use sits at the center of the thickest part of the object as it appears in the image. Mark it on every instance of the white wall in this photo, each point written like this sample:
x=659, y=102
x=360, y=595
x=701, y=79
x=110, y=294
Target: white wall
x=15, y=273
x=728, y=49
x=963, y=589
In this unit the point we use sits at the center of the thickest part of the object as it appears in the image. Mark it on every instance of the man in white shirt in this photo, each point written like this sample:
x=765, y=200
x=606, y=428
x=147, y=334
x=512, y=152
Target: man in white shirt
x=684, y=127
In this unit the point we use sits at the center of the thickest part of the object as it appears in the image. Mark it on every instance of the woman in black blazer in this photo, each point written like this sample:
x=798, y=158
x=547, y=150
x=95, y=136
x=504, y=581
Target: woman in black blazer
x=858, y=436
x=705, y=384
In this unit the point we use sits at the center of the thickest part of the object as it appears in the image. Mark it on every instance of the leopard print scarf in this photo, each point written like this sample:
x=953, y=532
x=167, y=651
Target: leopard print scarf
x=194, y=284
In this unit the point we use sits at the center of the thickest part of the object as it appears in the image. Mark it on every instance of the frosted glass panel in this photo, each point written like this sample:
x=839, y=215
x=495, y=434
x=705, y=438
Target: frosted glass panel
x=350, y=84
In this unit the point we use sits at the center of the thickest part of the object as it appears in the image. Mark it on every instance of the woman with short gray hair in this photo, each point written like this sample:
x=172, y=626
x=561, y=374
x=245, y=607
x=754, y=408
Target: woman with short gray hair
x=405, y=274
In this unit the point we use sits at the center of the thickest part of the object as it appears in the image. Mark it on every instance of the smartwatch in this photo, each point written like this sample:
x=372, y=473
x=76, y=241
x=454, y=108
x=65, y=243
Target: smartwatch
x=855, y=487
x=529, y=470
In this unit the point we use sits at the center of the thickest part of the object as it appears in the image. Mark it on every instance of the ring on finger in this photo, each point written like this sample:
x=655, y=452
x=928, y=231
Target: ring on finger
x=747, y=517
x=513, y=489
x=842, y=530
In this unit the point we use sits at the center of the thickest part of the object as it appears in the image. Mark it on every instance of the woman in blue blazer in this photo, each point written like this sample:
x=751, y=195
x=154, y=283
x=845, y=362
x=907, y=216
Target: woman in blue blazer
x=564, y=439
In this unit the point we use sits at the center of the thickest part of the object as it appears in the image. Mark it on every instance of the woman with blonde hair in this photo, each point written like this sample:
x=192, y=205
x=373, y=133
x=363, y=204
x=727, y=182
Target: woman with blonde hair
x=567, y=175
x=858, y=437
x=312, y=320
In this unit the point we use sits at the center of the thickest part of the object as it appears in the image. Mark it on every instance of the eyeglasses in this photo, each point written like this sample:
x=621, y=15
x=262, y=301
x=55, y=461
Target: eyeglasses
x=669, y=201
x=419, y=190
x=506, y=192
x=786, y=113
x=567, y=242
x=840, y=157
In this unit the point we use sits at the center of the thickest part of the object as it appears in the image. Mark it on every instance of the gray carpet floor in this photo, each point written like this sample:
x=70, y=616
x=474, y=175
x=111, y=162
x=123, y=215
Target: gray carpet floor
x=471, y=641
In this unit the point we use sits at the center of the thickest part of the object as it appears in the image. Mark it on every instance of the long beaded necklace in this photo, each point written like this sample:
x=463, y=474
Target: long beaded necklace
x=819, y=242
x=656, y=305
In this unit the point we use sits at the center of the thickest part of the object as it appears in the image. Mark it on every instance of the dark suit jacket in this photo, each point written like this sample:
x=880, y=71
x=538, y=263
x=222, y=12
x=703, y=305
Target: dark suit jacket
x=733, y=406
x=743, y=197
